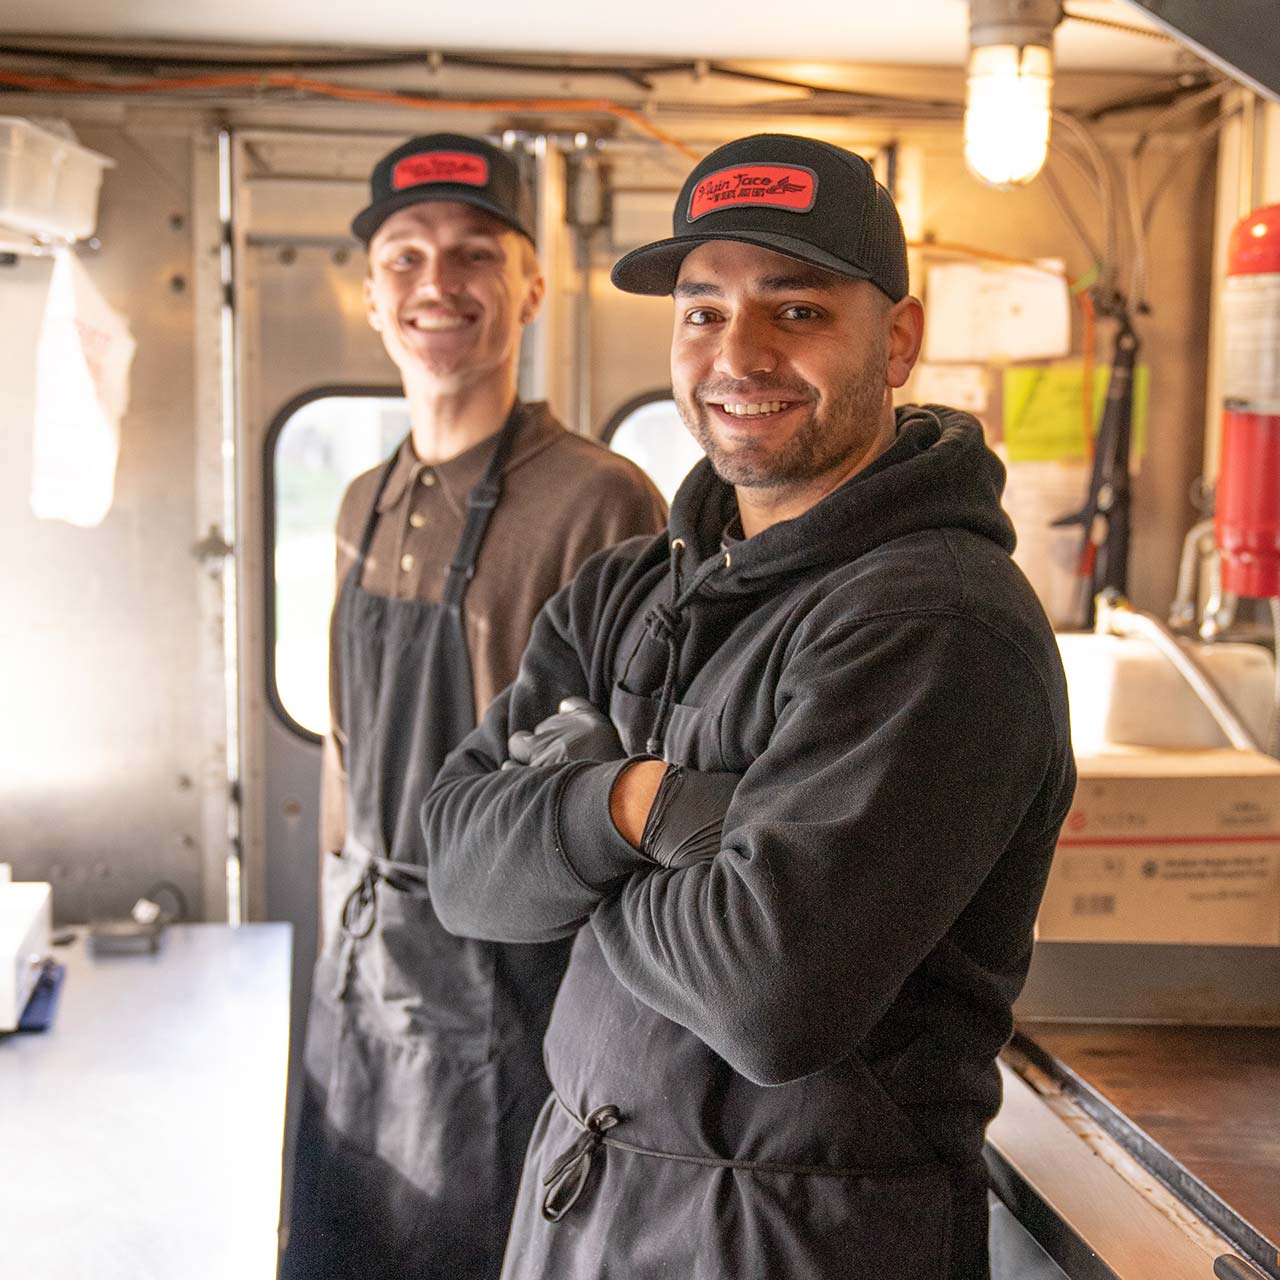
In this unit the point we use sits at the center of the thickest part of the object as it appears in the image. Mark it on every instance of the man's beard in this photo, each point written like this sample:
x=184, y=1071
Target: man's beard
x=839, y=426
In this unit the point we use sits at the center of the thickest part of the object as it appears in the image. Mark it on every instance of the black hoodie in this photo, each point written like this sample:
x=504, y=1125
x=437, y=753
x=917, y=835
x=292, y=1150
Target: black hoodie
x=822, y=1002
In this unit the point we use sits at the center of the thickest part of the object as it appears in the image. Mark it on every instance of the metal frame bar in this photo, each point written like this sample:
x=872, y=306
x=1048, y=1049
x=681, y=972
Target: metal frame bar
x=1088, y=1204
x=1174, y=1175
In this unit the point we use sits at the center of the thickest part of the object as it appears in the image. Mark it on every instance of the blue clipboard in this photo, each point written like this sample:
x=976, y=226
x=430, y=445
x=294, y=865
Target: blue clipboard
x=43, y=1005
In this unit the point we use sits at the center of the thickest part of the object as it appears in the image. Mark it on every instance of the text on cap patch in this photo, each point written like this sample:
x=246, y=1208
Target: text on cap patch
x=773, y=186
x=441, y=166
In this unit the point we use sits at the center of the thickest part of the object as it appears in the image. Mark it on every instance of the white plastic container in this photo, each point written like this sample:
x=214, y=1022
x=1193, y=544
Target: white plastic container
x=48, y=183
x=1125, y=692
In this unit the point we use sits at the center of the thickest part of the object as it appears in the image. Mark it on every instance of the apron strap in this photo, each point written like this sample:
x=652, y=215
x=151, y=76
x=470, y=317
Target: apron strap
x=371, y=520
x=480, y=504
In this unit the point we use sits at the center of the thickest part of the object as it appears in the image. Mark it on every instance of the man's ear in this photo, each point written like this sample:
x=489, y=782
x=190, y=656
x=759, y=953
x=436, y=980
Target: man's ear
x=370, y=314
x=534, y=292
x=906, y=333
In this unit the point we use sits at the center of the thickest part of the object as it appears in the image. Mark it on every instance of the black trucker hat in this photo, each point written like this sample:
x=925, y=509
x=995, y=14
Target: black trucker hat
x=447, y=166
x=796, y=196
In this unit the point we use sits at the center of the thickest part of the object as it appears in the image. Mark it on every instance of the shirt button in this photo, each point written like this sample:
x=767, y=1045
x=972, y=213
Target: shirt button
x=428, y=478
x=417, y=519
x=406, y=563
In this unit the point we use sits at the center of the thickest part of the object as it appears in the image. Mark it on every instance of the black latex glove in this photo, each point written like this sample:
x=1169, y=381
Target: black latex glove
x=576, y=732
x=686, y=817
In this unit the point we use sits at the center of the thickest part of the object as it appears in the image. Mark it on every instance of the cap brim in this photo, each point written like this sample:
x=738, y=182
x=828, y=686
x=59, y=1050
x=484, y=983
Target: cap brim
x=654, y=268
x=366, y=223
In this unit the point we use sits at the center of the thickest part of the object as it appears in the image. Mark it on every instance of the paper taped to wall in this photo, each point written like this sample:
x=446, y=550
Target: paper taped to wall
x=982, y=312
x=1044, y=411
x=83, y=357
x=962, y=386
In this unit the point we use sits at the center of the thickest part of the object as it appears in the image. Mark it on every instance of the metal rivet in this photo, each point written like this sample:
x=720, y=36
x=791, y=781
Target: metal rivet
x=727, y=561
x=677, y=544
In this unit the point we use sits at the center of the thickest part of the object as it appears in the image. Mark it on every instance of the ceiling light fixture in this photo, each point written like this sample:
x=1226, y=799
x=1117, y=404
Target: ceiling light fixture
x=1009, y=92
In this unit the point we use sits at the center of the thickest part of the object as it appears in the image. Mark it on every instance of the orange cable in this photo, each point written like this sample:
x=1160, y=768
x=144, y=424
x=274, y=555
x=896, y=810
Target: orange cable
x=1089, y=340
x=348, y=93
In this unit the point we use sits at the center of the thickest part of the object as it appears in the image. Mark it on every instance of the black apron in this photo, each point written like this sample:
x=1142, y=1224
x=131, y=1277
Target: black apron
x=423, y=1054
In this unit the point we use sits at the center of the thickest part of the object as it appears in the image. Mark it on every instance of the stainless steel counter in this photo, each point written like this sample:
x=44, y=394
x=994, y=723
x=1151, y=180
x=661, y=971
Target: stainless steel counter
x=141, y=1136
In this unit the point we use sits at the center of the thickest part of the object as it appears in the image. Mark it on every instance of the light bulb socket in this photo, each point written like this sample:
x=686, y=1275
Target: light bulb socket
x=1014, y=22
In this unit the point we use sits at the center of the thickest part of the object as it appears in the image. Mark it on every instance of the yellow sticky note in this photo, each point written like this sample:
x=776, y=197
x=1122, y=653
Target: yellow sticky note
x=1043, y=411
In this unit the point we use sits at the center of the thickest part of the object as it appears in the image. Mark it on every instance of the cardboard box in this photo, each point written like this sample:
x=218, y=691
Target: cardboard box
x=1169, y=846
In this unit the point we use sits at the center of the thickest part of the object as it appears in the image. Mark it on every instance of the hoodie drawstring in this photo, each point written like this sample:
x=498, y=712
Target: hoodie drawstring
x=667, y=624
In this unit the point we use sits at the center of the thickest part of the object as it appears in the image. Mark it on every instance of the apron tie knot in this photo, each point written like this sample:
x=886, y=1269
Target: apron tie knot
x=568, y=1173
x=360, y=910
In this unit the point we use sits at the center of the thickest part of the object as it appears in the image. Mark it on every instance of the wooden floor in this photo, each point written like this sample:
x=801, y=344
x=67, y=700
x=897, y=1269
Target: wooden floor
x=1210, y=1096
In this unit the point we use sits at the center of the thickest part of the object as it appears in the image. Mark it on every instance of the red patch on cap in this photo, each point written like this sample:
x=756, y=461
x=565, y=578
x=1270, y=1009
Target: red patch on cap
x=770, y=186
x=441, y=166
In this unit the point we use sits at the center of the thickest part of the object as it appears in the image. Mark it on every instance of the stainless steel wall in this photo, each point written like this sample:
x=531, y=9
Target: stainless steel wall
x=106, y=752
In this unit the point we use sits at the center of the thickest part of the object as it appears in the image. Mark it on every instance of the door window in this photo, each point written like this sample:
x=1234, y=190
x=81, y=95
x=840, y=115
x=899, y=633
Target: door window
x=317, y=445
x=649, y=431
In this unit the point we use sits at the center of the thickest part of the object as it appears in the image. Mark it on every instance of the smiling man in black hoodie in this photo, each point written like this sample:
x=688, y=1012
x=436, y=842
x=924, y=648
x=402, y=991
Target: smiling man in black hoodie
x=793, y=773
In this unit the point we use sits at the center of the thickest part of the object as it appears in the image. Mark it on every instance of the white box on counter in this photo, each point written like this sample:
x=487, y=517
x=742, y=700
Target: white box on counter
x=25, y=920
x=1169, y=846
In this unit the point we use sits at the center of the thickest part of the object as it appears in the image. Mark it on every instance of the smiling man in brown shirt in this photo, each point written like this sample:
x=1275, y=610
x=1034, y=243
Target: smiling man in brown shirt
x=423, y=1053
x=564, y=499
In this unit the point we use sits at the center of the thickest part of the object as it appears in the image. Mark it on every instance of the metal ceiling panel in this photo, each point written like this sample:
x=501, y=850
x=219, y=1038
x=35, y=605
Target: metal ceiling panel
x=919, y=32
x=1242, y=37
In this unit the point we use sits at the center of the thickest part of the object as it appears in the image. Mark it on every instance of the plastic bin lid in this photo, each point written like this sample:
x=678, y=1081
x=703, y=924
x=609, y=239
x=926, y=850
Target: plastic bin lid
x=58, y=131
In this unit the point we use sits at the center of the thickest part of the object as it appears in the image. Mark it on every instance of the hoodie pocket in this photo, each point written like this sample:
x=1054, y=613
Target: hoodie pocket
x=692, y=736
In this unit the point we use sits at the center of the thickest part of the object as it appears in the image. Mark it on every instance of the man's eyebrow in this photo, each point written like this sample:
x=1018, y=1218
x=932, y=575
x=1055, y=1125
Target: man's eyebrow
x=696, y=289
x=475, y=231
x=816, y=281
x=808, y=281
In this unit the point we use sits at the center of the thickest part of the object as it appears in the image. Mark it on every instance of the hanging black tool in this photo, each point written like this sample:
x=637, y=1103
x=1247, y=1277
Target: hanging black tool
x=1104, y=518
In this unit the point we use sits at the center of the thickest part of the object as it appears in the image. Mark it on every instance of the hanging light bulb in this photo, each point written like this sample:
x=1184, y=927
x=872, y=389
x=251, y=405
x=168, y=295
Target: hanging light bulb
x=1010, y=89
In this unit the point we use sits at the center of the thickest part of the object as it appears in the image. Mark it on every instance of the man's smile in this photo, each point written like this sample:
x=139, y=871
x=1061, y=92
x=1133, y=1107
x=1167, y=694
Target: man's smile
x=751, y=408
x=438, y=321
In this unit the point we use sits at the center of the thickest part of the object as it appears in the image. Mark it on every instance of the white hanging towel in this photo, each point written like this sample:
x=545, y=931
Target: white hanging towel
x=83, y=358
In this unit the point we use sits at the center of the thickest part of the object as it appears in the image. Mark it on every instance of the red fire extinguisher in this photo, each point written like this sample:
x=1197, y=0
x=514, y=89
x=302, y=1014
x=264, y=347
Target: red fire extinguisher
x=1247, y=515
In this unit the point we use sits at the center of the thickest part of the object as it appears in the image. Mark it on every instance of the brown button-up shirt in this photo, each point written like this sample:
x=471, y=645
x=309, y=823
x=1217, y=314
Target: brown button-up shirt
x=563, y=498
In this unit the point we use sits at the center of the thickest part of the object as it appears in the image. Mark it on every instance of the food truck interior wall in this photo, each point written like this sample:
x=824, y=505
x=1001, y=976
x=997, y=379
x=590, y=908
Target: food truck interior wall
x=115, y=747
